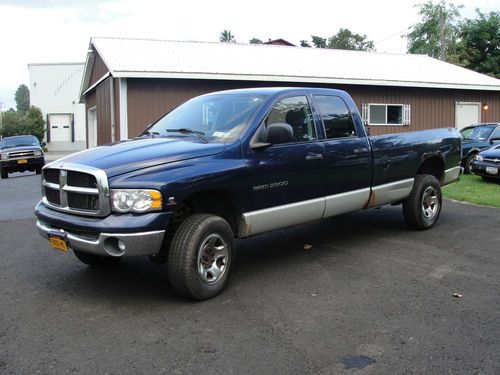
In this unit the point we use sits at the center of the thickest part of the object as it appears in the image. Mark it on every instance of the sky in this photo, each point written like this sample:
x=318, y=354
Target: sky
x=42, y=31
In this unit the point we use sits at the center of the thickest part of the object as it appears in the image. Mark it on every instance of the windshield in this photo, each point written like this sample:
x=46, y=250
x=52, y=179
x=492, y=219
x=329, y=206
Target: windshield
x=480, y=133
x=19, y=141
x=216, y=118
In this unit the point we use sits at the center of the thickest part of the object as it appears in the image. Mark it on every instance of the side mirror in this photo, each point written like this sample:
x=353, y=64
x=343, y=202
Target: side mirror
x=43, y=144
x=493, y=140
x=279, y=133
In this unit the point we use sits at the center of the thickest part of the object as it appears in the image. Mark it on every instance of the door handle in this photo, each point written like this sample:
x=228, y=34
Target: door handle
x=314, y=156
x=359, y=150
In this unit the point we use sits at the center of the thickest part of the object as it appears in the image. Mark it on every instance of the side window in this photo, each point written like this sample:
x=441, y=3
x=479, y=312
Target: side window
x=496, y=133
x=336, y=118
x=296, y=112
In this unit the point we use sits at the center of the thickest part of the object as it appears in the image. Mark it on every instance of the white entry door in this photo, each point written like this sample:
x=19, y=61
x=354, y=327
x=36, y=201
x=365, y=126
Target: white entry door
x=467, y=114
x=60, y=128
x=92, y=127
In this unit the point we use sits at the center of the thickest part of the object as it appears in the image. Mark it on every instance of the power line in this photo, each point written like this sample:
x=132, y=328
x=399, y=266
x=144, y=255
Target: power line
x=395, y=34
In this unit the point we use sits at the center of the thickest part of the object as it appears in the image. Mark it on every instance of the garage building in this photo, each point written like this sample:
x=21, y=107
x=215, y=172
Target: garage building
x=55, y=89
x=129, y=83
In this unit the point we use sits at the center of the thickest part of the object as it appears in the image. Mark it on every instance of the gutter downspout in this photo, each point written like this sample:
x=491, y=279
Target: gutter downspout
x=112, y=108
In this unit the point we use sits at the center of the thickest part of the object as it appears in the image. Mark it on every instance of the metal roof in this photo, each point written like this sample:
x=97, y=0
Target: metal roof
x=149, y=58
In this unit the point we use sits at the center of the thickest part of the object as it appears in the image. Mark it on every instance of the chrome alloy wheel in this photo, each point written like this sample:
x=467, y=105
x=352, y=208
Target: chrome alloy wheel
x=212, y=258
x=430, y=202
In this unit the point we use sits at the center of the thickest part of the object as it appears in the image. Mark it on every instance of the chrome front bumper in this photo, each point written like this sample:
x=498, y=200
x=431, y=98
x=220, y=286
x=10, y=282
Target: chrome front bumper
x=109, y=244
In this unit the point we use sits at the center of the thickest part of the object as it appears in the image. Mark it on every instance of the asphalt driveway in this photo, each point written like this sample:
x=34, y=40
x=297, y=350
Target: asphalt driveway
x=370, y=297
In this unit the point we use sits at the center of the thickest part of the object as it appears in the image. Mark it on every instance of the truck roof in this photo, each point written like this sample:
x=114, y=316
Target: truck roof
x=280, y=90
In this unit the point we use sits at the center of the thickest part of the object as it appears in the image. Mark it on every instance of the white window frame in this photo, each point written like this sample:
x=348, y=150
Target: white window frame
x=405, y=109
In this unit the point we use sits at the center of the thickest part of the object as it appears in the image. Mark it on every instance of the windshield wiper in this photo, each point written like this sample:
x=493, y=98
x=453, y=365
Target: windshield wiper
x=149, y=132
x=189, y=131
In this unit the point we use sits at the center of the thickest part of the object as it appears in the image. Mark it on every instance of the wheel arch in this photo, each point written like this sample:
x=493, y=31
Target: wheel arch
x=433, y=165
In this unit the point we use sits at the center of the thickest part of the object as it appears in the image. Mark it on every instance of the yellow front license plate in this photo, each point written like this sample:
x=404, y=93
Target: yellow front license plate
x=58, y=244
x=22, y=161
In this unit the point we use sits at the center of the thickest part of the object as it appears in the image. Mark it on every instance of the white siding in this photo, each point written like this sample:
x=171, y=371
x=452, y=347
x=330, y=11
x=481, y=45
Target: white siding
x=55, y=89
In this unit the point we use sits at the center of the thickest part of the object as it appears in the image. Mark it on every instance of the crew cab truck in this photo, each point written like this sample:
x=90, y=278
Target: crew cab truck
x=234, y=164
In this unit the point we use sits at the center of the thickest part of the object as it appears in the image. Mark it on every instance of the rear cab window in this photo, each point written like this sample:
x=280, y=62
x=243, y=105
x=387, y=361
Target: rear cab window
x=335, y=116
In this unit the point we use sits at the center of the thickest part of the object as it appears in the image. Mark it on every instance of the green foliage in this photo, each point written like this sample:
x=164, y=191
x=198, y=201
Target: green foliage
x=346, y=39
x=473, y=189
x=22, y=97
x=304, y=43
x=436, y=35
x=318, y=41
x=255, y=41
x=481, y=43
x=17, y=123
x=227, y=37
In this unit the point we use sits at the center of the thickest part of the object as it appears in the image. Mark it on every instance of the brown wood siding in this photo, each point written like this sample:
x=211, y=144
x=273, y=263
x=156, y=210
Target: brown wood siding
x=103, y=102
x=148, y=99
x=98, y=69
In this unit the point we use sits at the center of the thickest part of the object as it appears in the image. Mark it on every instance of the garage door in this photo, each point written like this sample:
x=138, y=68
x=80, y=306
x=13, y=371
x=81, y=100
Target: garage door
x=467, y=114
x=60, y=128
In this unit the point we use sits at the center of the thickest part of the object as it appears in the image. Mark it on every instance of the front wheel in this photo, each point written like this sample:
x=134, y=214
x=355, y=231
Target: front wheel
x=422, y=208
x=468, y=164
x=200, y=256
x=3, y=173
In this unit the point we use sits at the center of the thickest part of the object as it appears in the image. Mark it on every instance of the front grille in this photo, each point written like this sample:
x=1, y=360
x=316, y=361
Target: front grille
x=491, y=160
x=21, y=154
x=76, y=189
x=53, y=196
x=83, y=201
x=81, y=179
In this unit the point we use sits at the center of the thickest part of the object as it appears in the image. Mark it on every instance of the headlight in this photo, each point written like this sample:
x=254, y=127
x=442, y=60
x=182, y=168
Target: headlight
x=38, y=153
x=479, y=158
x=4, y=156
x=135, y=200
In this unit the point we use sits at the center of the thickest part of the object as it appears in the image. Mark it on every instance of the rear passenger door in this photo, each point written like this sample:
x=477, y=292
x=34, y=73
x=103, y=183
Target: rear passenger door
x=347, y=156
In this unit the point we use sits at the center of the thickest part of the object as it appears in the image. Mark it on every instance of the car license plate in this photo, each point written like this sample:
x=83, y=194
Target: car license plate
x=58, y=243
x=22, y=161
x=492, y=170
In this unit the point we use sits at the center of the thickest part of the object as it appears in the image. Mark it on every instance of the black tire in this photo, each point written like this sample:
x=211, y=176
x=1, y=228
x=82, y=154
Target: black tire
x=38, y=170
x=201, y=240
x=468, y=163
x=96, y=261
x=422, y=208
x=3, y=173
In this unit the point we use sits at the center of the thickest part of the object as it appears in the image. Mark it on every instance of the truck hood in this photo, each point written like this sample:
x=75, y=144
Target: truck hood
x=127, y=156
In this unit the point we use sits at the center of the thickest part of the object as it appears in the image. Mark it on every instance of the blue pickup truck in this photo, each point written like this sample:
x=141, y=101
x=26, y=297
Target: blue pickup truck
x=234, y=164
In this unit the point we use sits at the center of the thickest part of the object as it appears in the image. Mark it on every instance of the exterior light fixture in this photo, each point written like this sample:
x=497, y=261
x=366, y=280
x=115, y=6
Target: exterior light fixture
x=485, y=106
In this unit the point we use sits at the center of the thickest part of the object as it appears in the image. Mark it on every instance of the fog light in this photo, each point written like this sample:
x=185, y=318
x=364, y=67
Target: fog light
x=121, y=245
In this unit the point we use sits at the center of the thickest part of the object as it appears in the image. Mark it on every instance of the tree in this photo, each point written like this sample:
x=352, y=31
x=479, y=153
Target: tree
x=227, y=37
x=304, y=43
x=318, y=41
x=255, y=41
x=22, y=97
x=346, y=39
x=15, y=123
x=437, y=32
x=480, y=43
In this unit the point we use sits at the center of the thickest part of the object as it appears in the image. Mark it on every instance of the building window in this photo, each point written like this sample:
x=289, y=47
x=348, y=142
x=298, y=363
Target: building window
x=386, y=114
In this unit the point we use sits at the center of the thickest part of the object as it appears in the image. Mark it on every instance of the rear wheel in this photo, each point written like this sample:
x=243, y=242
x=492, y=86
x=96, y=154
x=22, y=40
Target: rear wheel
x=38, y=170
x=200, y=256
x=422, y=208
x=96, y=261
x=3, y=173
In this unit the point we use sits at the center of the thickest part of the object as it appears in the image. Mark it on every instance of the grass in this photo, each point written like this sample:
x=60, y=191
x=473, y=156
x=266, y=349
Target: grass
x=473, y=189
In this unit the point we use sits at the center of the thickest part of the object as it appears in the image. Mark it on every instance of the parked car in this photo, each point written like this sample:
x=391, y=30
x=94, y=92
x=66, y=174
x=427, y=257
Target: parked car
x=487, y=164
x=232, y=165
x=476, y=138
x=20, y=154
